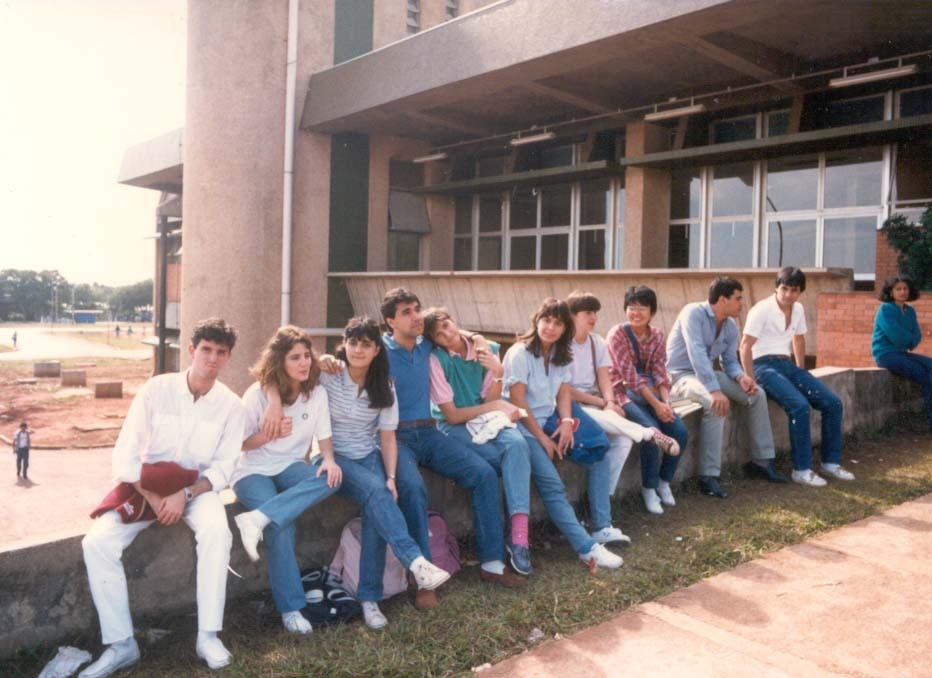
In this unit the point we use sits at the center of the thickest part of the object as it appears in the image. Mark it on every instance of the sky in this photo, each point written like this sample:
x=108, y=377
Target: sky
x=81, y=81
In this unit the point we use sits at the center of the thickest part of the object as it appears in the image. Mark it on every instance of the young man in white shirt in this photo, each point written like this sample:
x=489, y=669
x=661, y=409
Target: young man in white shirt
x=193, y=420
x=776, y=328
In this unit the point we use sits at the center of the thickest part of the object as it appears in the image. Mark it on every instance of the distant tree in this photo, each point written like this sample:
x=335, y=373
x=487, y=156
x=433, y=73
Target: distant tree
x=29, y=294
x=125, y=300
x=913, y=242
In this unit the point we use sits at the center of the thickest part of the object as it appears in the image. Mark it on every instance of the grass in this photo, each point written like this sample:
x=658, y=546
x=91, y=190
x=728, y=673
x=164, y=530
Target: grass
x=477, y=623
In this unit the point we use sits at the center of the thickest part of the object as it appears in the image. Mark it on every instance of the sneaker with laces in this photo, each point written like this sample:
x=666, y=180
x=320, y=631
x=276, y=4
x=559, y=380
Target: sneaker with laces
x=651, y=500
x=115, y=657
x=836, y=471
x=427, y=575
x=610, y=534
x=666, y=494
x=250, y=533
x=211, y=650
x=665, y=443
x=295, y=622
x=373, y=616
x=808, y=477
x=602, y=557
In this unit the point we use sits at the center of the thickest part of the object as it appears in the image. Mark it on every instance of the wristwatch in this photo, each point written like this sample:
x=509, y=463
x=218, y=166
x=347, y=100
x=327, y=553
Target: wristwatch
x=188, y=494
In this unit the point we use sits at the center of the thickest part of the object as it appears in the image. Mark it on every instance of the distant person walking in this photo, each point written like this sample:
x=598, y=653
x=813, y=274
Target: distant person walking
x=21, y=445
x=14, y=339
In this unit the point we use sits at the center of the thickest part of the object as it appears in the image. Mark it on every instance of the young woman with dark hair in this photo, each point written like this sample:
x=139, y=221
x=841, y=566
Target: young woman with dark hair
x=897, y=334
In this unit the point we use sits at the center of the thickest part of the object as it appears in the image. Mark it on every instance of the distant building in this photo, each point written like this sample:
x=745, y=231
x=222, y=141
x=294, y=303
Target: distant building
x=85, y=316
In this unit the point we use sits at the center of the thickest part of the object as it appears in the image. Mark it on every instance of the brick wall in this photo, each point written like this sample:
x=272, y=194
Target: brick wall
x=886, y=260
x=846, y=323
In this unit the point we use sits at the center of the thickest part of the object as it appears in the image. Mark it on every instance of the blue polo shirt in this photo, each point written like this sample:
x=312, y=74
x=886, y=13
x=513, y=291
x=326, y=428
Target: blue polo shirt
x=410, y=370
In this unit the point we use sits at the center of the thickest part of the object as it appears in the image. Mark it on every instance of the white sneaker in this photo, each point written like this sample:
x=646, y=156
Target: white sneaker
x=836, y=471
x=295, y=622
x=610, y=534
x=427, y=575
x=651, y=501
x=115, y=657
x=665, y=494
x=808, y=477
x=211, y=650
x=602, y=557
x=250, y=533
x=373, y=616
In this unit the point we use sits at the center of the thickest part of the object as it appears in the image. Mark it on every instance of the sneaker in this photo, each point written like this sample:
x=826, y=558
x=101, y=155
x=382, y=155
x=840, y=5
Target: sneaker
x=250, y=533
x=610, y=534
x=768, y=472
x=602, y=557
x=427, y=575
x=665, y=494
x=709, y=486
x=295, y=622
x=808, y=477
x=115, y=657
x=519, y=557
x=507, y=579
x=651, y=500
x=665, y=443
x=212, y=651
x=836, y=471
x=425, y=600
x=373, y=616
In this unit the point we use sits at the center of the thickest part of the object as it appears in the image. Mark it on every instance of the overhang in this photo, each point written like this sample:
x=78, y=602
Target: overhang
x=156, y=164
x=519, y=63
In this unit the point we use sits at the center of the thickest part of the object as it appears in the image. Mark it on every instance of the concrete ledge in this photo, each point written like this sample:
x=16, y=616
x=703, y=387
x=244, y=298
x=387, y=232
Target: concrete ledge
x=45, y=597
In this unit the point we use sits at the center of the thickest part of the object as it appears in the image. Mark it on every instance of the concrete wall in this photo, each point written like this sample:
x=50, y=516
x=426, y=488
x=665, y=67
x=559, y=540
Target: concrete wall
x=45, y=598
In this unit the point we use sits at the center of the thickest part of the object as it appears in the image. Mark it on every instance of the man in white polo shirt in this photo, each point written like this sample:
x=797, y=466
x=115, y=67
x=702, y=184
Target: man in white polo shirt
x=191, y=419
x=776, y=329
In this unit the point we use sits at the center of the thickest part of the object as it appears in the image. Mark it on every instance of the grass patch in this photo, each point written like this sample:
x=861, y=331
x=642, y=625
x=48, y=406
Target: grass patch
x=477, y=623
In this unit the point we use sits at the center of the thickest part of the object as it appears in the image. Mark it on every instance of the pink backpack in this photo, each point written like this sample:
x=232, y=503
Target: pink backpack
x=346, y=563
x=444, y=550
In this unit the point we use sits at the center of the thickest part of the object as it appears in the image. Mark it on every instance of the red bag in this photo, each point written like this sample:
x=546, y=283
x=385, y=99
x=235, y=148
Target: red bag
x=163, y=478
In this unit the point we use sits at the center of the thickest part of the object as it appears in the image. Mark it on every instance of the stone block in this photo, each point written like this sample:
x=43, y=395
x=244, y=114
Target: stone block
x=73, y=378
x=108, y=389
x=47, y=368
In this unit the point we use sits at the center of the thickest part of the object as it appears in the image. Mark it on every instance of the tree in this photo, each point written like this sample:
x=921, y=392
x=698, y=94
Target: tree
x=28, y=295
x=913, y=242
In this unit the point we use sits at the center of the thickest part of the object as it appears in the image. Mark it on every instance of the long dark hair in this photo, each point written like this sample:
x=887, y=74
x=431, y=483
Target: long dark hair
x=270, y=367
x=552, y=308
x=377, y=383
x=886, y=292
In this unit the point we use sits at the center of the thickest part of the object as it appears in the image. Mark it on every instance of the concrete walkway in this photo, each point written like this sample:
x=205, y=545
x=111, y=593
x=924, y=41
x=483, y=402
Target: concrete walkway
x=853, y=602
x=40, y=343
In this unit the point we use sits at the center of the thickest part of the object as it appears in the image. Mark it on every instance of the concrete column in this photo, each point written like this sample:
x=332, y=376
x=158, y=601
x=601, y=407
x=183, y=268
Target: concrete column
x=233, y=157
x=647, y=199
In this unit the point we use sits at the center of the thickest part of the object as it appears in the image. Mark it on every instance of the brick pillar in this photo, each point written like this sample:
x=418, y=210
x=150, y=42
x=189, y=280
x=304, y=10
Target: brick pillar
x=647, y=199
x=886, y=260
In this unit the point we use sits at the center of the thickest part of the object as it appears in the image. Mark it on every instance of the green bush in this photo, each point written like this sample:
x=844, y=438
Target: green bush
x=913, y=242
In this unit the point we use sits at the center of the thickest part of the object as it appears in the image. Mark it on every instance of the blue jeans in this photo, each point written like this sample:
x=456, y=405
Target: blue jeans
x=282, y=498
x=797, y=391
x=914, y=367
x=552, y=492
x=653, y=470
x=507, y=453
x=449, y=458
x=382, y=520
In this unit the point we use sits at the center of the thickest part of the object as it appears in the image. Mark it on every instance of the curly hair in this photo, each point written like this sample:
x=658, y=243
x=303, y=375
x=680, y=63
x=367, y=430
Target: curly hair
x=886, y=292
x=378, y=383
x=216, y=330
x=269, y=369
x=552, y=308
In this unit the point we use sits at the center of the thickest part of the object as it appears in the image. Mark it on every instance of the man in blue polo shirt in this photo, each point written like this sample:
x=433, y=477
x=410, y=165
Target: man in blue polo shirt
x=409, y=355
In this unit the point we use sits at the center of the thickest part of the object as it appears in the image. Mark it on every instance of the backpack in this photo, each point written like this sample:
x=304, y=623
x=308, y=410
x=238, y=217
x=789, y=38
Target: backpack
x=328, y=602
x=444, y=549
x=345, y=563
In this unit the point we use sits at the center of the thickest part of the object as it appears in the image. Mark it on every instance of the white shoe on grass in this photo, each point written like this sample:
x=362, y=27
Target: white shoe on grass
x=295, y=622
x=115, y=657
x=651, y=500
x=373, y=616
x=836, y=471
x=602, y=557
x=665, y=494
x=211, y=649
x=808, y=477
x=610, y=534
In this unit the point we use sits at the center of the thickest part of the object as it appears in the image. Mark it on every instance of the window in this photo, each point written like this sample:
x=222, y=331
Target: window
x=731, y=230
x=853, y=177
x=778, y=123
x=450, y=9
x=792, y=183
x=733, y=129
x=916, y=101
x=852, y=111
x=404, y=251
x=413, y=21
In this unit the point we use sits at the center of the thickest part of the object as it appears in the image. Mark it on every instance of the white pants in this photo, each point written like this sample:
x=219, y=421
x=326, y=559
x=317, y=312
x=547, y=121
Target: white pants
x=103, y=552
x=622, y=434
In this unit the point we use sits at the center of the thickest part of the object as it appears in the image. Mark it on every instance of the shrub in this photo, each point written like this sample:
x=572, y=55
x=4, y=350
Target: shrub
x=913, y=242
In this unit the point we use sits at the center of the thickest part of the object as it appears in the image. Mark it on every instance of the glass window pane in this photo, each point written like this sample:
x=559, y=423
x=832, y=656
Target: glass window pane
x=523, y=209
x=594, y=196
x=490, y=254
x=734, y=130
x=490, y=213
x=684, y=246
x=684, y=194
x=853, y=177
x=463, y=218
x=778, y=123
x=916, y=102
x=403, y=251
x=491, y=167
x=523, y=255
x=462, y=254
x=914, y=171
x=852, y=112
x=620, y=207
x=554, y=251
x=792, y=183
x=555, y=205
x=591, y=250
x=798, y=243
x=731, y=244
x=851, y=242
x=733, y=189
x=556, y=156
x=620, y=246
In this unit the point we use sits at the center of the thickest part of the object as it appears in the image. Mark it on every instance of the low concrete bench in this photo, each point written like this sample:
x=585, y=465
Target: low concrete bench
x=47, y=368
x=73, y=378
x=108, y=389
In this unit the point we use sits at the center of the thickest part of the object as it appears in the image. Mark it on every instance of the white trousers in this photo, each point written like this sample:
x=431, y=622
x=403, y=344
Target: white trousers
x=622, y=434
x=103, y=553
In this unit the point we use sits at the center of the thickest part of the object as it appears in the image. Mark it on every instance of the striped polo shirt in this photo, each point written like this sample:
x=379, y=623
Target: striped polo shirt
x=355, y=425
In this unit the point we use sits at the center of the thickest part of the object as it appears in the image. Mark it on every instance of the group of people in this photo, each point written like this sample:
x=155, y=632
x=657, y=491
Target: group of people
x=427, y=393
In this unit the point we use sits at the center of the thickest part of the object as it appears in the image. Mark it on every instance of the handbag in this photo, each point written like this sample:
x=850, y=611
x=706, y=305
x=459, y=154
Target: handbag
x=589, y=440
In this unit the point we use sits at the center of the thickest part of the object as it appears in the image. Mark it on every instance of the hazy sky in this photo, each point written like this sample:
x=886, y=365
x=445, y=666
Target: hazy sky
x=80, y=81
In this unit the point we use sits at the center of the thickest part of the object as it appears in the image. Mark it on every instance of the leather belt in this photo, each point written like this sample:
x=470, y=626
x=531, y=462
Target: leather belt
x=417, y=423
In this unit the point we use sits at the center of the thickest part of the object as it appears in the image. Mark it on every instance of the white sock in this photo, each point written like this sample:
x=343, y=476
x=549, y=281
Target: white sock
x=831, y=467
x=494, y=567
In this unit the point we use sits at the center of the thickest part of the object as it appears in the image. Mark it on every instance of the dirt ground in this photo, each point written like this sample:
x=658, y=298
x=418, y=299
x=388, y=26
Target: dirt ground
x=69, y=417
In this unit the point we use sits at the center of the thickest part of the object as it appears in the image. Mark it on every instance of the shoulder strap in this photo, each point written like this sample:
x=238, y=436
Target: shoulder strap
x=595, y=368
x=639, y=361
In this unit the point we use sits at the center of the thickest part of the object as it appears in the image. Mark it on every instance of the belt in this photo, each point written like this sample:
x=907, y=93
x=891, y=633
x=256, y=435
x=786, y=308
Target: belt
x=417, y=423
x=774, y=356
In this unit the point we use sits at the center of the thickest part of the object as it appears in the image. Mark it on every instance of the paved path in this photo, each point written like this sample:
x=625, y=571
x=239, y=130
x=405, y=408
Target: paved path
x=37, y=343
x=856, y=601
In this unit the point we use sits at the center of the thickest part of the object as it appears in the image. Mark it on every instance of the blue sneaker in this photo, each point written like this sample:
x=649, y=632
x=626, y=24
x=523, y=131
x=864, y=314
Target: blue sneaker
x=520, y=558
